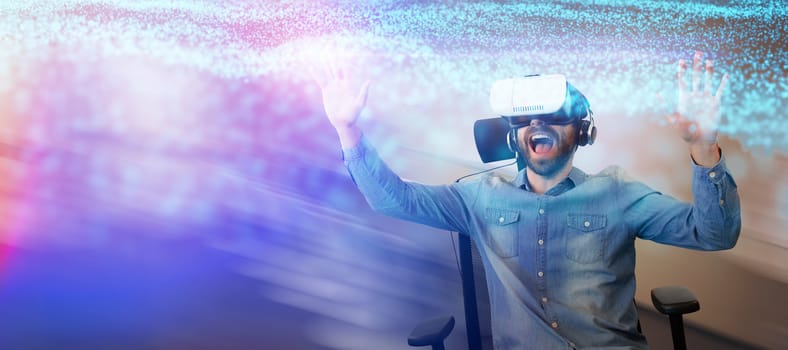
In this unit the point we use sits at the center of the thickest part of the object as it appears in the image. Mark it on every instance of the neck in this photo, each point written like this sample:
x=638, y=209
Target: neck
x=541, y=184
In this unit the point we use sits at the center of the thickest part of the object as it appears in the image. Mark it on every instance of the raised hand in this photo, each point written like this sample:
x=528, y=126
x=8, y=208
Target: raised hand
x=697, y=115
x=342, y=101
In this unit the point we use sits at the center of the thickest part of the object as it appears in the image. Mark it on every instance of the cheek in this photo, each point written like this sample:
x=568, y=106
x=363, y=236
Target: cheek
x=521, y=141
x=570, y=135
x=521, y=134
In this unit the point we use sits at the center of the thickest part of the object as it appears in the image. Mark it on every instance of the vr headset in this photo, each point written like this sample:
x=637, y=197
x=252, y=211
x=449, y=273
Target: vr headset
x=549, y=98
x=519, y=100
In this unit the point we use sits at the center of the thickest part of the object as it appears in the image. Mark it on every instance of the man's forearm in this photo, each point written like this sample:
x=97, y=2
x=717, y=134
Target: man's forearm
x=349, y=136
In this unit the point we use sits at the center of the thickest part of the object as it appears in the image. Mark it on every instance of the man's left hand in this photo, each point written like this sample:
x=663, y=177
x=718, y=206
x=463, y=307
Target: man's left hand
x=697, y=116
x=698, y=112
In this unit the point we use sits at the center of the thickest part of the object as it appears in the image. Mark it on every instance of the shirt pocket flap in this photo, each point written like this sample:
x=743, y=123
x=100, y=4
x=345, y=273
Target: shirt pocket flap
x=586, y=222
x=502, y=217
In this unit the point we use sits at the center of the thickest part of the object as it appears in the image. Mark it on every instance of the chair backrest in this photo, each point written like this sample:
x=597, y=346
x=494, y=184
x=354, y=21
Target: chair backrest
x=476, y=297
x=491, y=136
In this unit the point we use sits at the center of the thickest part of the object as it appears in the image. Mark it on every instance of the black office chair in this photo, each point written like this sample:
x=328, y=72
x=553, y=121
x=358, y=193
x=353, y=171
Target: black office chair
x=490, y=136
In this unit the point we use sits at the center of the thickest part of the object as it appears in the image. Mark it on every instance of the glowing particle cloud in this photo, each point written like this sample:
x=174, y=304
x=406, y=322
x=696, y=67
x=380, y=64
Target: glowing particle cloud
x=112, y=97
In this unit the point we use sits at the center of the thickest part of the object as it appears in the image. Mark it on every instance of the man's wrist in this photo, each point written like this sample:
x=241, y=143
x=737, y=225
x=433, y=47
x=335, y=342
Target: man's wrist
x=349, y=136
x=705, y=154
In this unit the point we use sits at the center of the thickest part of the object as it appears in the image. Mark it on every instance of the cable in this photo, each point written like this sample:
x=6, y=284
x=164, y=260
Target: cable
x=484, y=171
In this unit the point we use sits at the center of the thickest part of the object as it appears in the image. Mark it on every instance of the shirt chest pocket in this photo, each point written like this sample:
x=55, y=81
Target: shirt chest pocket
x=586, y=238
x=502, y=234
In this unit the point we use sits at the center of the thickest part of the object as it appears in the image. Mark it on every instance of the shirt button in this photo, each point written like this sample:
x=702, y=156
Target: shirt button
x=541, y=211
x=722, y=201
x=501, y=219
x=712, y=174
x=554, y=325
x=541, y=241
x=540, y=273
x=544, y=300
x=586, y=224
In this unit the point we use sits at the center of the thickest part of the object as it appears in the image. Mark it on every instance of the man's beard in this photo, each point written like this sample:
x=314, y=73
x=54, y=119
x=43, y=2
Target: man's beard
x=550, y=167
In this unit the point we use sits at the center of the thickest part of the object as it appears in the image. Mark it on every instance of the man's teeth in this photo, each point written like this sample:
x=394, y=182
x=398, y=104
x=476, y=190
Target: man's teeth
x=539, y=138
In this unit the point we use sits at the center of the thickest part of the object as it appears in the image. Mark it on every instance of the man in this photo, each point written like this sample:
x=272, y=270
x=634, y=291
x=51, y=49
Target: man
x=558, y=244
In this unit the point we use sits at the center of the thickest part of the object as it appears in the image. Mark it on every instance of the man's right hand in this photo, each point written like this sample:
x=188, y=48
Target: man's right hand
x=342, y=101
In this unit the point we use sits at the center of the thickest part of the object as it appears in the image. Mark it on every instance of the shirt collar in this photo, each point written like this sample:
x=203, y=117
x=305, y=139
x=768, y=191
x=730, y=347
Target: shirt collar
x=575, y=178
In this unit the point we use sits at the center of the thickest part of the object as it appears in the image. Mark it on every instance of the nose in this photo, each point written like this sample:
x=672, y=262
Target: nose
x=536, y=122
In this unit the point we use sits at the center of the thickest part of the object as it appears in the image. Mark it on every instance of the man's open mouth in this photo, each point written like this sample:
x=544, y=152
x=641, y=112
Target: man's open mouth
x=541, y=143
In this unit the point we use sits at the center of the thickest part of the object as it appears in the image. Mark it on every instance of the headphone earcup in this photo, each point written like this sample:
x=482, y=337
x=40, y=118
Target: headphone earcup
x=582, y=133
x=511, y=141
x=592, y=135
x=586, y=133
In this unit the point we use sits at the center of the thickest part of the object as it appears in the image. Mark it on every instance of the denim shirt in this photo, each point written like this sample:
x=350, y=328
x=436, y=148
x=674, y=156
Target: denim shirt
x=560, y=267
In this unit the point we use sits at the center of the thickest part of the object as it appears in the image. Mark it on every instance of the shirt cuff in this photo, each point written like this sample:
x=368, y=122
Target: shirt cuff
x=714, y=174
x=356, y=152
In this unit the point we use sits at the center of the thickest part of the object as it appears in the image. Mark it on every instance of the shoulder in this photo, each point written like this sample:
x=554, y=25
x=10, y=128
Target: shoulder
x=616, y=177
x=623, y=182
x=614, y=173
x=610, y=171
x=609, y=176
x=495, y=178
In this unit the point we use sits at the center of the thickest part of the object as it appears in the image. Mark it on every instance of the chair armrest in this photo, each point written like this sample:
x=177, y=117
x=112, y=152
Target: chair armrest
x=674, y=300
x=431, y=332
